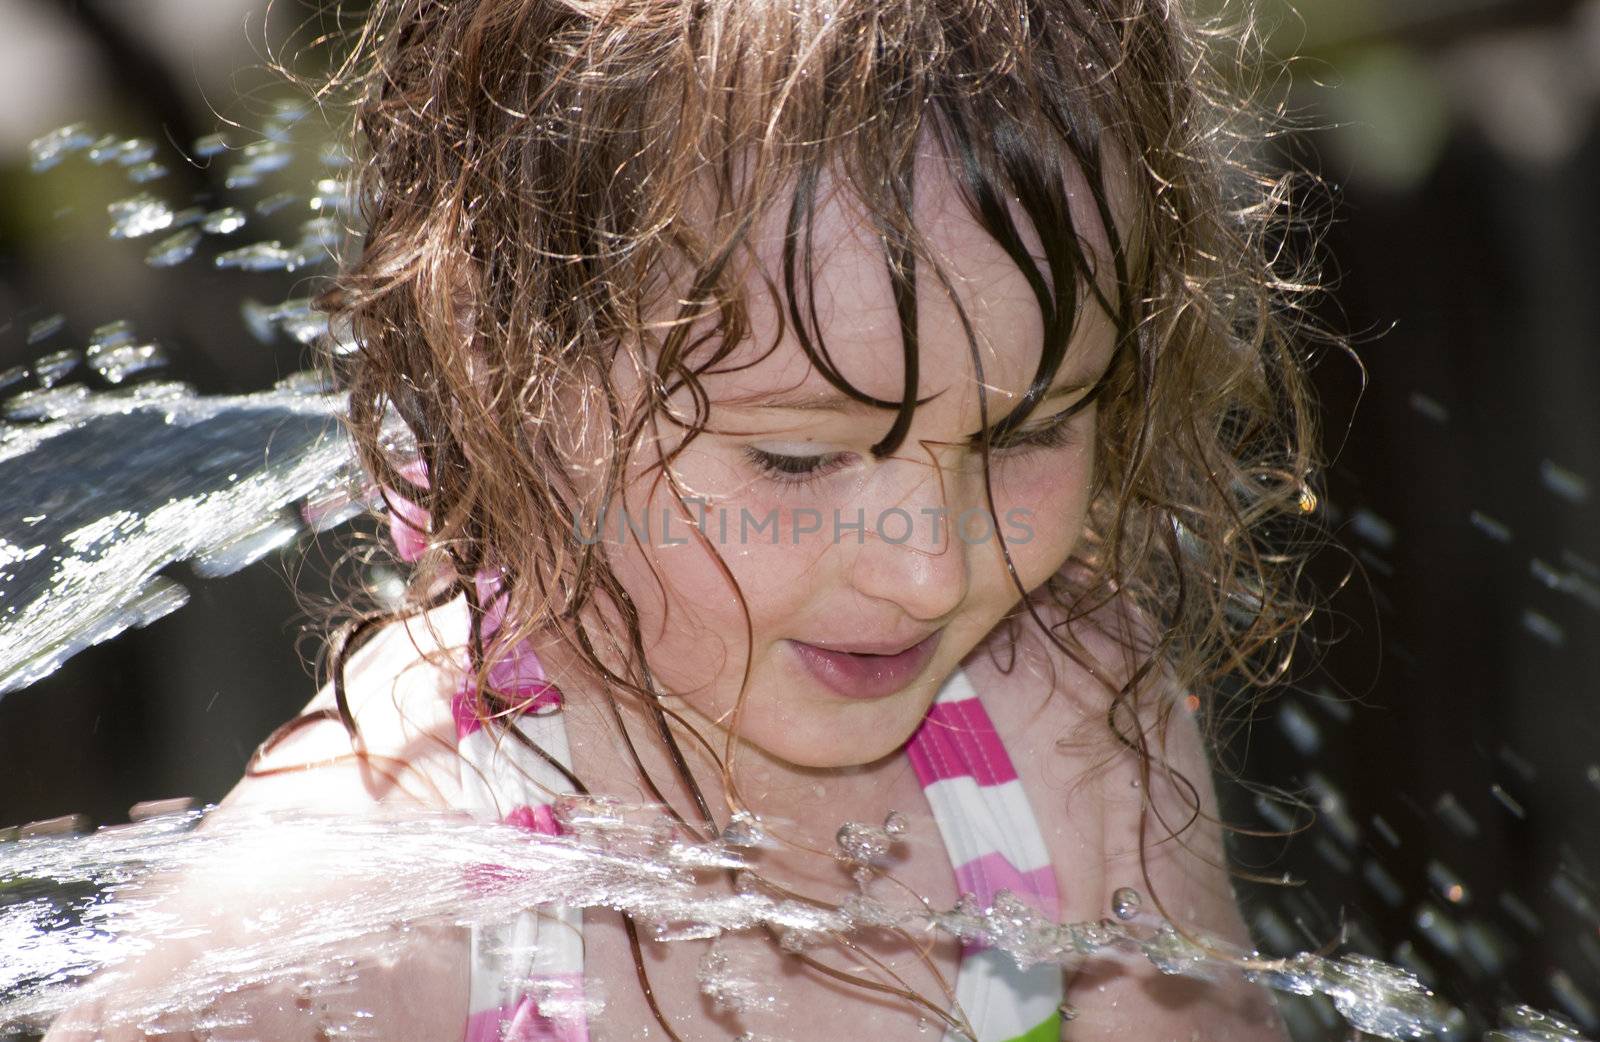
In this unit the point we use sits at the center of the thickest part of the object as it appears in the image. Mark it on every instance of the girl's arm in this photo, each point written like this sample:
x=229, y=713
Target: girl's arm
x=235, y=901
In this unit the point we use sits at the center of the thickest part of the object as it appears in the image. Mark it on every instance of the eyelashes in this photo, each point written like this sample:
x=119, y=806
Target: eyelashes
x=803, y=471
x=796, y=471
x=1059, y=432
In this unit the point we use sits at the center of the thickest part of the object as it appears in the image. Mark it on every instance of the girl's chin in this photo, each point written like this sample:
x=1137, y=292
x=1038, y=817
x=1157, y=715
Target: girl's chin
x=814, y=729
x=861, y=736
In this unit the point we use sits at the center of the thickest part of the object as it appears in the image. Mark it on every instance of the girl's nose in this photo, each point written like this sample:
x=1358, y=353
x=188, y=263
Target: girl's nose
x=913, y=553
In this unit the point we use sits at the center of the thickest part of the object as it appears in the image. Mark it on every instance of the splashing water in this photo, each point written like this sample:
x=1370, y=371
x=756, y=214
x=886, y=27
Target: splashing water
x=191, y=479
x=80, y=911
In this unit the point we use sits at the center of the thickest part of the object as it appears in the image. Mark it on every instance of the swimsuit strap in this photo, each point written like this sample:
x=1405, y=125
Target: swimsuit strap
x=994, y=842
x=527, y=974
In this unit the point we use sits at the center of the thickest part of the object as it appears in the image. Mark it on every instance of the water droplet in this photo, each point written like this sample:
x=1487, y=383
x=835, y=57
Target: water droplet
x=224, y=221
x=261, y=157
x=743, y=830
x=45, y=328
x=297, y=318
x=117, y=362
x=1456, y=816
x=323, y=233
x=1489, y=526
x=1274, y=813
x=1386, y=830
x=65, y=825
x=332, y=194
x=144, y=173
x=1125, y=902
x=45, y=152
x=1543, y=627
x=104, y=149
x=1387, y=887
x=1431, y=408
x=260, y=256
x=138, y=215
x=209, y=145
x=110, y=334
x=56, y=366
x=1507, y=801
x=334, y=157
x=275, y=202
x=160, y=808
x=1446, y=883
x=174, y=249
x=11, y=377
x=1567, y=484
x=1301, y=730
x=861, y=844
x=136, y=151
x=1374, y=529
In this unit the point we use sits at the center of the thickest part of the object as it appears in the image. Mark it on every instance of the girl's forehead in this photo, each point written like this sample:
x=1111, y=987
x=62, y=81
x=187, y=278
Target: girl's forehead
x=857, y=322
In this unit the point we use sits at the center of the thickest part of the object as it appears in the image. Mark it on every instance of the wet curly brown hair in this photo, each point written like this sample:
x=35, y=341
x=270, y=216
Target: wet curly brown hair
x=525, y=168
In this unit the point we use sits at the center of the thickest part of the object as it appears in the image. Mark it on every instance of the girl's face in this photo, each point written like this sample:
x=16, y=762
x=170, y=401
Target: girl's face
x=848, y=588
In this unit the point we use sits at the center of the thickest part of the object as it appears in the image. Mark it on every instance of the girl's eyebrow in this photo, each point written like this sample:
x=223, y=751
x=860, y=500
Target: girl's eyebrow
x=809, y=401
x=833, y=401
x=1049, y=396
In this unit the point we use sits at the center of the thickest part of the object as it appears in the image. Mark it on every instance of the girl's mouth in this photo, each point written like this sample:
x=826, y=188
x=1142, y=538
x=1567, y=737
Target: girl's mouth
x=866, y=674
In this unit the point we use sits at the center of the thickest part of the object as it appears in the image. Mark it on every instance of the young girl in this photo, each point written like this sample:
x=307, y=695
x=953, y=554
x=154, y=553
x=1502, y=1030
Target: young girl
x=825, y=413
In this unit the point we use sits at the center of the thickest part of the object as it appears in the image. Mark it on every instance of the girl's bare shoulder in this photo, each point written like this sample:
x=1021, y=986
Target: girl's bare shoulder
x=1115, y=816
x=399, y=687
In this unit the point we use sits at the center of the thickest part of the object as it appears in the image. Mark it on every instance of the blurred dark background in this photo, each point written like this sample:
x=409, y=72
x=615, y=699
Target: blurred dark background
x=1448, y=742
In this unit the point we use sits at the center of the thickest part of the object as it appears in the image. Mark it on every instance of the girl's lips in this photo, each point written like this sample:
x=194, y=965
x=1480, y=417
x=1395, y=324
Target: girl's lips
x=863, y=675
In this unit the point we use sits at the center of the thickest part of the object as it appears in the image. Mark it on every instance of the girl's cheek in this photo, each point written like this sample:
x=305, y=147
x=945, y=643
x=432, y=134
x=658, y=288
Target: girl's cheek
x=703, y=556
x=1041, y=508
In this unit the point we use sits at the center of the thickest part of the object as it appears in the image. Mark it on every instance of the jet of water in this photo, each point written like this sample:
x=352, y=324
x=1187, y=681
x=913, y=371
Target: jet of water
x=107, y=489
x=286, y=900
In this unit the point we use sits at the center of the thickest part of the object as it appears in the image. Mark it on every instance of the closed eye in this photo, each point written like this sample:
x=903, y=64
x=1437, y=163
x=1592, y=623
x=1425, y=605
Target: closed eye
x=1052, y=435
x=796, y=470
x=1054, y=432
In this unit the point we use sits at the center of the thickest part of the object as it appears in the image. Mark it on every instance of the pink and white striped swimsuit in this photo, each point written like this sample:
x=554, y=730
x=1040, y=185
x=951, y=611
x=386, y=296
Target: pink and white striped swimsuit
x=527, y=974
